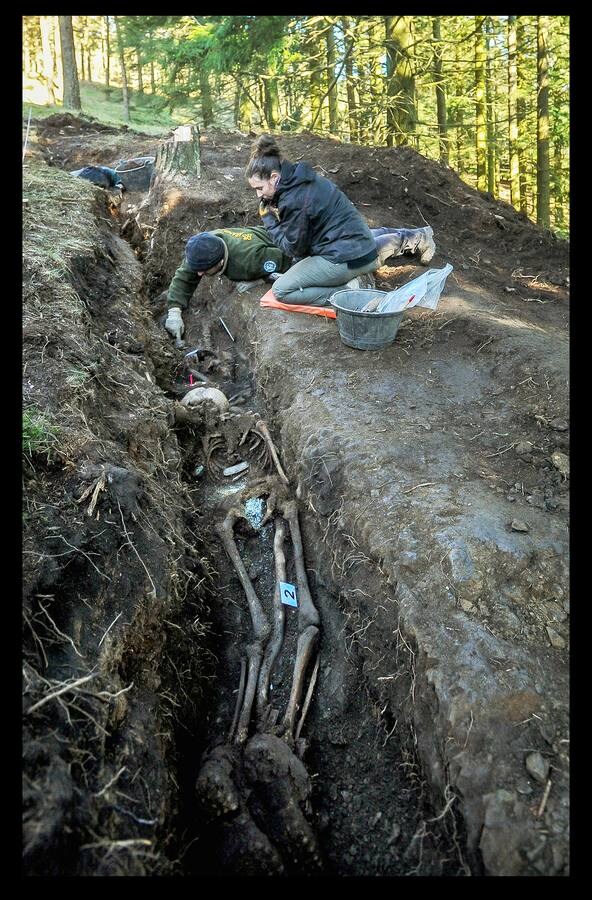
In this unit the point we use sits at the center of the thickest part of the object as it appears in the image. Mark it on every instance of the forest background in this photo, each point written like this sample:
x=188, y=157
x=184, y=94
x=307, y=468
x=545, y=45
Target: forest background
x=486, y=95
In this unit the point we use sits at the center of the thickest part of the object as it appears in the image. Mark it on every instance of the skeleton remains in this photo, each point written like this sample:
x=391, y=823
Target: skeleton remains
x=254, y=789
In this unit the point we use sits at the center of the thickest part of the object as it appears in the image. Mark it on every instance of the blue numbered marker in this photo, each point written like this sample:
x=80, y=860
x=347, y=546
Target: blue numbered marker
x=288, y=594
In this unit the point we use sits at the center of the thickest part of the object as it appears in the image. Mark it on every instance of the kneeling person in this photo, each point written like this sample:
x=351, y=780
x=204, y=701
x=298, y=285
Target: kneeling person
x=241, y=254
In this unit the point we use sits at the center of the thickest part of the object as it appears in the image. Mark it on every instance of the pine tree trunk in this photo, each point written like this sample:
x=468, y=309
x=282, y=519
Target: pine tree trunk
x=126, y=109
x=237, y=105
x=558, y=209
x=316, y=112
x=331, y=83
x=489, y=112
x=139, y=70
x=70, y=73
x=459, y=117
x=152, y=78
x=512, y=114
x=59, y=74
x=45, y=24
x=401, y=113
x=181, y=155
x=440, y=91
x=377, y=37
x=272, y=103
x=349, y=80
x=521, y=113
x=364, y=91
x=543, y=187
x=480, y=114
x=107, y=53
x=244, y=115
x=207, y=110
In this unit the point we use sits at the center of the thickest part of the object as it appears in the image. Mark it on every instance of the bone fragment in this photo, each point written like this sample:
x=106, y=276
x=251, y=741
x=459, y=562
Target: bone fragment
x=234, y=470
x=308, y=618
x=261, y=626
x=261, y=428
x=277, y=637
x=308, y=698
x=306, y=646
x=254, y=656
x=239, y=699
x=307, y=614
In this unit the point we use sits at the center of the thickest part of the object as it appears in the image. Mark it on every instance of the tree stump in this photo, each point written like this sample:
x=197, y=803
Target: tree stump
x=180, y=155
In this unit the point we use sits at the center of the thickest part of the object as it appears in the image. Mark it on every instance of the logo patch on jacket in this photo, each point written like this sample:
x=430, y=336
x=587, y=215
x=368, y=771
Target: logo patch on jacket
x=269, y=265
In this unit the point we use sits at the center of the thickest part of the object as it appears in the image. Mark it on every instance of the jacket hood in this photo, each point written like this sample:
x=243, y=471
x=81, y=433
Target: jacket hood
x=292, y=175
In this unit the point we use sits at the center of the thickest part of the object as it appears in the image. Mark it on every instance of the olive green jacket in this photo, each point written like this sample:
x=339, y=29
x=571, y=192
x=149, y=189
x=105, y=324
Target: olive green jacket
x=250, y=254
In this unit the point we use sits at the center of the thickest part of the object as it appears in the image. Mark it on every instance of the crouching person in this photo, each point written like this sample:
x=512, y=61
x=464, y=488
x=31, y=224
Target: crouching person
x=311, y=219
x=245, y=255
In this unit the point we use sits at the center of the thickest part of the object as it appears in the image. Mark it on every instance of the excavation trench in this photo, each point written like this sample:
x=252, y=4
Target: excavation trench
x=434, y=529
x=344, y=792
x=323, y=778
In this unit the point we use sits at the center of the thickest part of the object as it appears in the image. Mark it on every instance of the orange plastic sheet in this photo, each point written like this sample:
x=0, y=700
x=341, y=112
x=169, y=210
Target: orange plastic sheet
x=269, y=300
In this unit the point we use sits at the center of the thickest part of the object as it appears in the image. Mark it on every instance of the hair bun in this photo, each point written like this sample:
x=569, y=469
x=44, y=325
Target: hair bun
x=266, y=145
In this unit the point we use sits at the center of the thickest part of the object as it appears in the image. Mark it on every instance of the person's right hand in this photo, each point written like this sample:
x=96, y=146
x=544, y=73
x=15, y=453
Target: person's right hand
x=266, y=207
x=174, y=323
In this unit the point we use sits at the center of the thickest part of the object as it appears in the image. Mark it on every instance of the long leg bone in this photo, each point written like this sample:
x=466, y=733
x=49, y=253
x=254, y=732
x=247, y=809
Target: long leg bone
x=261, y=428
x=308, y=619
x=239, y=699
x=308, y=698
x=277, y=637
x=261, y=625
x=254, y=657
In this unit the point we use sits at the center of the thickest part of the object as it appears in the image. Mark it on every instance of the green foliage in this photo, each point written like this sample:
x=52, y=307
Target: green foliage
x=39, y=434
x=275, y=72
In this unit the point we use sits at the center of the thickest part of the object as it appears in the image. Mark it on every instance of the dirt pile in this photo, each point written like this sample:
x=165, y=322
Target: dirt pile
x=110, y=549
x=69, y=142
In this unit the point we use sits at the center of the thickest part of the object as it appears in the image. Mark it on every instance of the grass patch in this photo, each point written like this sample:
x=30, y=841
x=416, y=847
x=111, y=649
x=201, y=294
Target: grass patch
x=39, y=434
x=76, y=378
x=105, y=105
x=57, y=225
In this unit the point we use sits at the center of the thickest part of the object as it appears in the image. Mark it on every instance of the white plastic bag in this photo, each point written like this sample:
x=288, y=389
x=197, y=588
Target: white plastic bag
x=424, y=290
x=436, y=281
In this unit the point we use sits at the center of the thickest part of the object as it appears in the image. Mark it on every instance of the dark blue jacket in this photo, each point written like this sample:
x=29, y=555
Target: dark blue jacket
x=317, y=219
x=102, y=176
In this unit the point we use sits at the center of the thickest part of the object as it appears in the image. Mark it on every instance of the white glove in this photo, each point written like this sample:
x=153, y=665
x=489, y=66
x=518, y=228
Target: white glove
x=174, y=322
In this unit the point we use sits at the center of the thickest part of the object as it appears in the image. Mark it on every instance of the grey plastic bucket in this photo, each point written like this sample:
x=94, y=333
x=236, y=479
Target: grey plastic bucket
x=136, y=173
x=364, y=331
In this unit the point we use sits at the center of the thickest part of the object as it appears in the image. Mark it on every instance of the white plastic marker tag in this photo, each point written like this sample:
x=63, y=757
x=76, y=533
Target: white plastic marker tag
x=288, y=594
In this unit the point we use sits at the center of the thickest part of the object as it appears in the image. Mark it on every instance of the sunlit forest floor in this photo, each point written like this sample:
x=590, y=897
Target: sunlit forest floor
x=148, y=112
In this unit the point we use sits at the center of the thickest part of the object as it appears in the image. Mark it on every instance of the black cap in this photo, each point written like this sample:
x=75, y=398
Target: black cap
x=203, y=251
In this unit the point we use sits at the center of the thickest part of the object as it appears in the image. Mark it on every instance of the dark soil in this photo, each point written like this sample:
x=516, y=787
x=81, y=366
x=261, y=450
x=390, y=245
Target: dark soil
x=433, y=499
